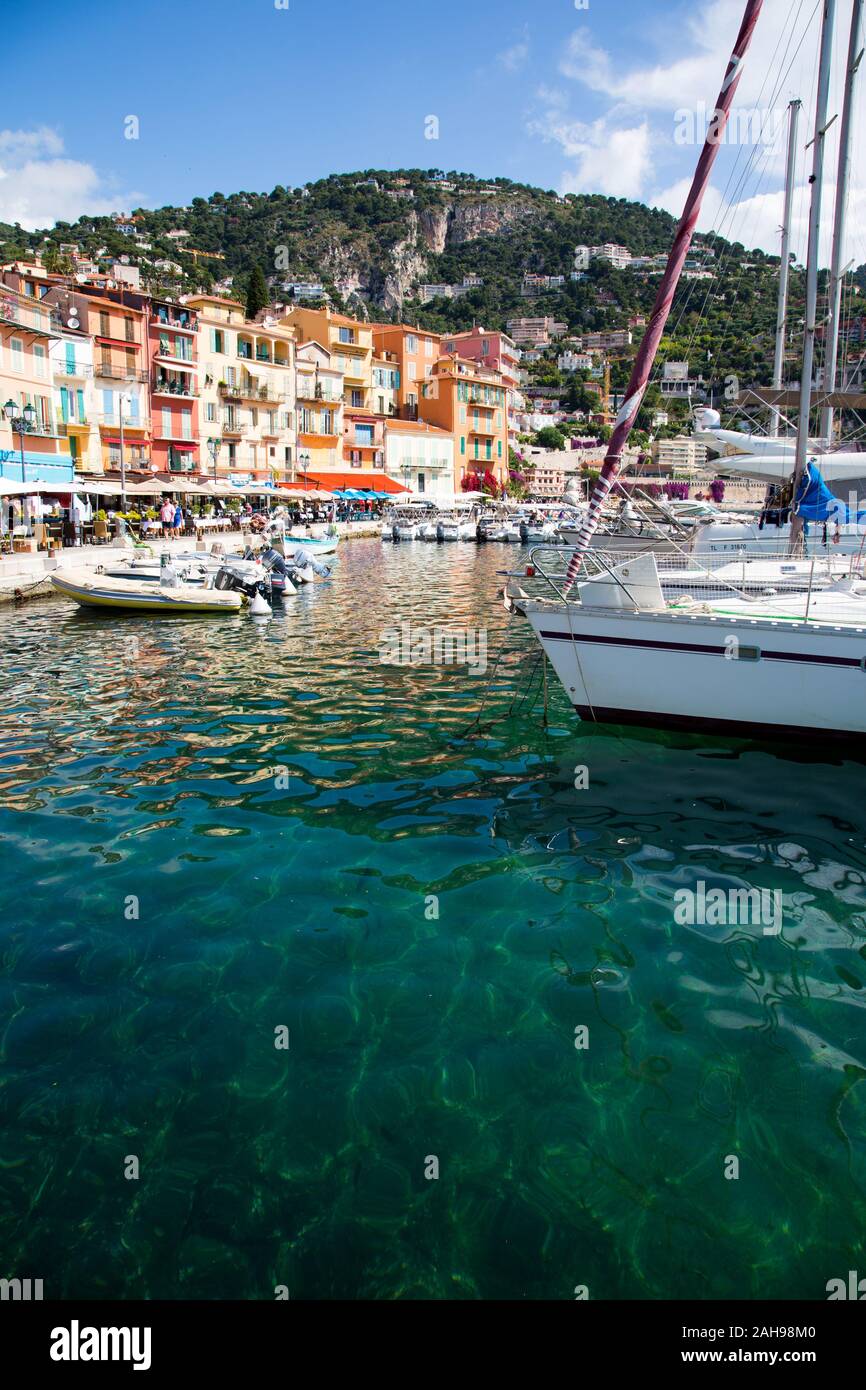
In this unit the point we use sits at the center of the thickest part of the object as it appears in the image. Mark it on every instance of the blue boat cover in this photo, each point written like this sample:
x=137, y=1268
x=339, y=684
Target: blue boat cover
x=817, y=503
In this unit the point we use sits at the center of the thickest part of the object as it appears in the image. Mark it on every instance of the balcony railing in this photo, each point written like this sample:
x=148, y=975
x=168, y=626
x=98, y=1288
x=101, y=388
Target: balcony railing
x=164, y=386
x=114, y=373
x=82, y=369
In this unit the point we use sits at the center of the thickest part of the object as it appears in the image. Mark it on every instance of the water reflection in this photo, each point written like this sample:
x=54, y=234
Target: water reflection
x=317, y=840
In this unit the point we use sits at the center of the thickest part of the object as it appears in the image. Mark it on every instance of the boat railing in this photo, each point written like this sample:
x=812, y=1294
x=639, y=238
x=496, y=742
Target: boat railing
x=743, y=576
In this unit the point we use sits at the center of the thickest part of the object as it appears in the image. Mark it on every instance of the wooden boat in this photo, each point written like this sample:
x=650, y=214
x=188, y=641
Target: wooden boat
x=142, y=595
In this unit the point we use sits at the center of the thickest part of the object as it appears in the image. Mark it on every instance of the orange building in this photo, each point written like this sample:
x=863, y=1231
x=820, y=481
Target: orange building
x=470, y=402
x=414, y=352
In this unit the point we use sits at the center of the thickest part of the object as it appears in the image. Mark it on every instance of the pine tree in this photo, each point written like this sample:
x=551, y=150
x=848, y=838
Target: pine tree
x=257, y=292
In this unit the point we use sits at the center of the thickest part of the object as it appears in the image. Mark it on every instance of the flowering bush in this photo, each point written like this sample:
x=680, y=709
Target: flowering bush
x=717, y=490
x=481, y=482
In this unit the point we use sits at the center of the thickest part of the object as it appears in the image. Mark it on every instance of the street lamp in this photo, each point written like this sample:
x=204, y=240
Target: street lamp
x=21, y=422
x=305, y=458
x=122, y=401
x=214, y=446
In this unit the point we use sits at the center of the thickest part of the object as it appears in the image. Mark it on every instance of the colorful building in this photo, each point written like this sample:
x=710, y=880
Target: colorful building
x=414, y=352
x=247, y=405
x=319, y=391
x=501, y=354
x=118, y=327
x=172, y=332
x=27, y=332
x=470, y=403
x=420, y=456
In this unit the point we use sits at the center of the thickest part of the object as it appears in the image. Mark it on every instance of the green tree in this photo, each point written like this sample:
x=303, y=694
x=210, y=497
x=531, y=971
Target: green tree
x=550, y=438
x=257, y=292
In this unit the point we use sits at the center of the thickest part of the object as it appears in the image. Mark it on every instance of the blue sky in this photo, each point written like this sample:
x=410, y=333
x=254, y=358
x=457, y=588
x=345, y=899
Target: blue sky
x=245, y=95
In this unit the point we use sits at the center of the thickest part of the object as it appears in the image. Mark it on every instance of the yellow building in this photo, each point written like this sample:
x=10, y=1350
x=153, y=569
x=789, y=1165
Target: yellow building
x=247, y=406
x=320, y=409
x=350, y=344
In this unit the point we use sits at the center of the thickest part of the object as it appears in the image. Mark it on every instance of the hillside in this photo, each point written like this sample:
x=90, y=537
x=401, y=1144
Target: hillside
x=371, y=238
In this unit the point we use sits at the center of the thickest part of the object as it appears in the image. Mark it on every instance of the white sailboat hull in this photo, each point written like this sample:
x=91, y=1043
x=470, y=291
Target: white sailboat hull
x=667, y=669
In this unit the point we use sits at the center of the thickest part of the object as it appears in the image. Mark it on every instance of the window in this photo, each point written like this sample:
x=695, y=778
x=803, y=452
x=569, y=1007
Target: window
x=412, y=371
x=327, y=422
x=167, y=430
x=420, y=482
x=428, y=349
x=217, y=340
x=364, y=435
x=411, y=342
x=449, y=347
x=355, y=458
x=381, y=405
x=104, y=324
x=186, y=424
x=233, y=455
x=463, y=444
x=39, y=363
x=16, y=347
x=485, y=347
x=210, y=412
x=463, y=414
x=130, y=330
x=347, y=335
x=358, y=399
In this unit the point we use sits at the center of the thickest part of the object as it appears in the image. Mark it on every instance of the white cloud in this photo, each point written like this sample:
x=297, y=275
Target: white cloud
x=614, y=160
x=515, y=57
x=630, y=145
x=39, y=187
x=17, y=143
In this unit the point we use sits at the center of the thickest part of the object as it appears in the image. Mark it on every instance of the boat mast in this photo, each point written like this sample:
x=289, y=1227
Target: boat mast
x=837, y=271
x=785, y=266
x=812, y=264
x=664, y=298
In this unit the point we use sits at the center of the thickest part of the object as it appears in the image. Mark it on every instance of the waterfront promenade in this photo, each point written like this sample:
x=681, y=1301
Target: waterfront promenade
x=27, y=575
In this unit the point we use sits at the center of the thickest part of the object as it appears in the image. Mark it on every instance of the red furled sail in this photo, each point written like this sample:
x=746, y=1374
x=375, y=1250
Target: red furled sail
x=680, y=249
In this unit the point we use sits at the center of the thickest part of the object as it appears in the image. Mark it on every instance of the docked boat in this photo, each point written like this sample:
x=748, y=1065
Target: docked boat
x=93, y=590
x=735, y=665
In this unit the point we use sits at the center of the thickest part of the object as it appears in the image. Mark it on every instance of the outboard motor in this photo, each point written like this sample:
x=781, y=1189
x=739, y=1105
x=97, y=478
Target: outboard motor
x=245, y=577
x=524, y=533
x=440, y=532
x=394, y=536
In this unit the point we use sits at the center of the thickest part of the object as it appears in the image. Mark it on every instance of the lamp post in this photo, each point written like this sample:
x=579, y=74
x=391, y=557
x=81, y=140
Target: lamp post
x=122, y=400
x=304, y=461
x=214, y=446
x=20, y=422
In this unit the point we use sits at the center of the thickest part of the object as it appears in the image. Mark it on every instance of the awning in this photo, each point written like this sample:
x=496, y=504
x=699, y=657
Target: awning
x=377, y=482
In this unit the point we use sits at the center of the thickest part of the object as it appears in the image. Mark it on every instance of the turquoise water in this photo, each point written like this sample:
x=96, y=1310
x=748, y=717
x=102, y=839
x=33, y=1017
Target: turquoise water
x=212, y=829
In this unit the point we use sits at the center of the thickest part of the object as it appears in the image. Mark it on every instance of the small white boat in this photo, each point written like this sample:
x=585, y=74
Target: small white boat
x=142, y=595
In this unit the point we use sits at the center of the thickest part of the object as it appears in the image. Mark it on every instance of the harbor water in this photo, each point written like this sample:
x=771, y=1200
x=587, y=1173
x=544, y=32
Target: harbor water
x=360, y=981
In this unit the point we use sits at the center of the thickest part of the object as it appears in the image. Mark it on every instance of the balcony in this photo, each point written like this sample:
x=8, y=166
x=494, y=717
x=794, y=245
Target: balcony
x=30, y=317
x=171, y=386
x=82, y=370
x=109, y=372
x=109, y=419
x=234, y=428
x=185, y=324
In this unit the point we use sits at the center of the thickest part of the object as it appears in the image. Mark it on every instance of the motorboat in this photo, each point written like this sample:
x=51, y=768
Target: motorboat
x=93, y=590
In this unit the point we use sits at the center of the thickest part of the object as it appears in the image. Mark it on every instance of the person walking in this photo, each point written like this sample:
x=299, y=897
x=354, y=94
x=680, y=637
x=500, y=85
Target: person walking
x=167, y=517
x=178, y=519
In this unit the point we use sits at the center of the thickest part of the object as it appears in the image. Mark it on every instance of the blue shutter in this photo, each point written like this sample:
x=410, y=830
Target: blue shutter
x=64, y=404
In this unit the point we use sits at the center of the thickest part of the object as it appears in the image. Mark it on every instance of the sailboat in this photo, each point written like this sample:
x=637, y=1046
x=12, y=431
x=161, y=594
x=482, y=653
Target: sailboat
x=627, y=653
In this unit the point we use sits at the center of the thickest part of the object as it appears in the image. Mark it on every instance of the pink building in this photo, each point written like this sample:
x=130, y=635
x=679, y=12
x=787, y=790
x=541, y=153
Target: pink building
x=489, y=349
